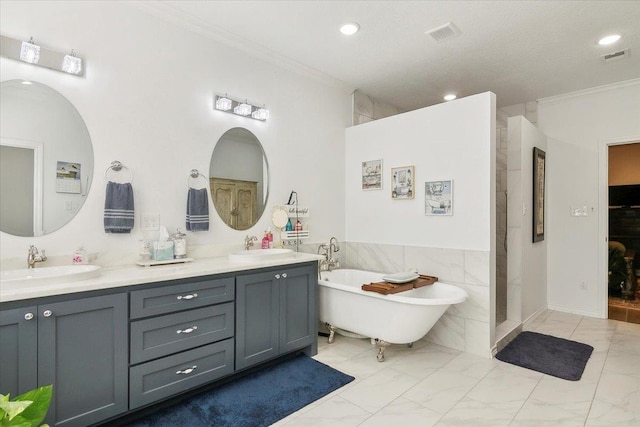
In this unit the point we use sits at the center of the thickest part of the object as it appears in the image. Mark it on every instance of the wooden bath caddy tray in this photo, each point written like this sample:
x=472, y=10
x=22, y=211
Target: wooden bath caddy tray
x=386, y=288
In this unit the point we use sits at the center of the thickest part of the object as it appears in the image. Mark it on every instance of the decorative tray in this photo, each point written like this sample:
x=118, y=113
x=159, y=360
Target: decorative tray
x=152, y=262
x=390, y=288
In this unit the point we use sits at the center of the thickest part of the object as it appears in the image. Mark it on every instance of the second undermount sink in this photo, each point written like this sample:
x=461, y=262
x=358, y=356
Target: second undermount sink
x=257, y=255
x=47, y=275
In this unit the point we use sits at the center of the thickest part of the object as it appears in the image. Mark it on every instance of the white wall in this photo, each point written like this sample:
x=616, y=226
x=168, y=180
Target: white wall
x=455, y=141
x=528, y=261
x=579, y=125
x=147, y=101
x=445, y=141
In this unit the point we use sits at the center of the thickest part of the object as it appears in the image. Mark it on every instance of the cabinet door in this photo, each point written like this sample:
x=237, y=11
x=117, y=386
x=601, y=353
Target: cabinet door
x=298, y=323
x=223, y=194
x=18, y=351
x=82, y=351
x=257, y=318
x=246, y=200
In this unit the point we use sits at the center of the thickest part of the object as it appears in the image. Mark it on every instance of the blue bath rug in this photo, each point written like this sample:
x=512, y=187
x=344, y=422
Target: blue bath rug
x=256, y=400
x=550, y=355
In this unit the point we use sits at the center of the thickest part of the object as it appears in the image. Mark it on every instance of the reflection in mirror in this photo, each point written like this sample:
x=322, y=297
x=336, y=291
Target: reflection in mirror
x=239, y=178
x=46, y=159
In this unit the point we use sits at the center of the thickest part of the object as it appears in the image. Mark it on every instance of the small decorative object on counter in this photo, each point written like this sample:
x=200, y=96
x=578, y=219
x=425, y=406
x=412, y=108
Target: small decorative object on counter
x=298, y=226
x=179, y=244
x=80, y=256
x=144, y=250
x=265, y=241
x=289, y=226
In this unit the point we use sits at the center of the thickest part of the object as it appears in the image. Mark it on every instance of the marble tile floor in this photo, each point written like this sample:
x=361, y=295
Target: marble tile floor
x=429, y=385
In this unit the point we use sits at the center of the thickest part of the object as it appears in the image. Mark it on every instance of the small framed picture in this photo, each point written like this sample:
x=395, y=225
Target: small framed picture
x=438, y=198
x=402, y=183
x=372, y=175
x=539, y=159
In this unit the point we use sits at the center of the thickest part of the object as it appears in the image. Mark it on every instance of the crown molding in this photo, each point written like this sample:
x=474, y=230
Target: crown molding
x=172, y=15
x=597, y=89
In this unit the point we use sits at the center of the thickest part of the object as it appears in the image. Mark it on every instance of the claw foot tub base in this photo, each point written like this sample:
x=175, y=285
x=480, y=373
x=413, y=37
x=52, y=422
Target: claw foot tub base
x=401, y=318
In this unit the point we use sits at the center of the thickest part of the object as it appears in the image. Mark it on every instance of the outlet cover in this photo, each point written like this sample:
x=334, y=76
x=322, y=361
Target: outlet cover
x=150, y=222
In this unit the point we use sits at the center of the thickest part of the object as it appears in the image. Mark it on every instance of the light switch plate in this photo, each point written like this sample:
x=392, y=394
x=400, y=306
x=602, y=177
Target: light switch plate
x=578, y=211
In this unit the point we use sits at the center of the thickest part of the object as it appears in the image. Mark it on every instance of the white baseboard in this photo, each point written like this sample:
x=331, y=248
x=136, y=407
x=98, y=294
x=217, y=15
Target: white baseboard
x=575, y=311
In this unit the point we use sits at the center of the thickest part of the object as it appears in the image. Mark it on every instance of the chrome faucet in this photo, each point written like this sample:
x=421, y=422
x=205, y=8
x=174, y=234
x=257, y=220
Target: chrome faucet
x=34, y=256
x=329, y=262
x=248, y=242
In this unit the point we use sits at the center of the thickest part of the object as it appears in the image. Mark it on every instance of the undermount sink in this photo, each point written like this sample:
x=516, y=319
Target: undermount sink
x=47, y=275
x=256, y=255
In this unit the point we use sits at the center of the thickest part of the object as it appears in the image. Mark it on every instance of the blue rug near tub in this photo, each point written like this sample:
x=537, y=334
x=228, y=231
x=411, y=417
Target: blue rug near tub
x=561, y=358
x=259, y=399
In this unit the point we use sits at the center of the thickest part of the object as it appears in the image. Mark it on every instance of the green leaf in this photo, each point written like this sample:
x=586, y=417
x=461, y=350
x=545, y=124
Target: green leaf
x=16, y=422
x=14, y=408
x=41, y=398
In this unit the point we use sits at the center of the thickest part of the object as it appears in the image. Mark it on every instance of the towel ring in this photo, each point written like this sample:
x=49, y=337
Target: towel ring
x=194, y=173
x=117, y=166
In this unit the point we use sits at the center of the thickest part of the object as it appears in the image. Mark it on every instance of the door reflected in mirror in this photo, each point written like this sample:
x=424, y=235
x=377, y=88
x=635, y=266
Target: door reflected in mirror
x=46, y=159
x=239, y=178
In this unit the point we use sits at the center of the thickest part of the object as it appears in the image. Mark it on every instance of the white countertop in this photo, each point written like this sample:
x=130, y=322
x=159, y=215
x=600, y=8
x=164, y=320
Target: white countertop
x=114, y=277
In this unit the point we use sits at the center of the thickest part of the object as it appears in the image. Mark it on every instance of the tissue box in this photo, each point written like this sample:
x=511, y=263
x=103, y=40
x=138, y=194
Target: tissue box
x=162, y=251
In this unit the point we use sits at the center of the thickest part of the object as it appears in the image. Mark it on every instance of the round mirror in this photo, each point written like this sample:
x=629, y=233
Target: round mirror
x=46, y=159
x=239, y=178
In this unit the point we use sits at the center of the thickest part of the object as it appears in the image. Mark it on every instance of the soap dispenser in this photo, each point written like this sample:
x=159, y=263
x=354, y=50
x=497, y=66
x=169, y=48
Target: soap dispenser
x=265, y=241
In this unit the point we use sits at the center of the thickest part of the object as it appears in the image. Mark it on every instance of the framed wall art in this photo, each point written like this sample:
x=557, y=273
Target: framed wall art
x=438, y=198
x=539, y=160
x=402, y=183
x=372, y=175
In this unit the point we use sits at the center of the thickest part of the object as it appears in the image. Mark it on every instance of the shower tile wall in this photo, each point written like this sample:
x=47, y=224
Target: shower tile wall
x=367, y=108
x=464, y=326
x=501, y=224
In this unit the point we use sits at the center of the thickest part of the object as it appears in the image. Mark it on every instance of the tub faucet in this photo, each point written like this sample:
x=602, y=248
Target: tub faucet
x=328, y=263
x=248, y=242
x=34, y=256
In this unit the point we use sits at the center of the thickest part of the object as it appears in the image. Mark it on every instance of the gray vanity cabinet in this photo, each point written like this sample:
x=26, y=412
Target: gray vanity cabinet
x=18, y=350
x=80, y=347
x=275, y=313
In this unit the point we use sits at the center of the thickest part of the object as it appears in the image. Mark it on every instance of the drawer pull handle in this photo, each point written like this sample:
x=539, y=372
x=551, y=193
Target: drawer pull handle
x=47, y=313
x=186, y=331
x=187, y=371
x=187, y=297
x=277, y=276
x=28, y=316
x=284, y=275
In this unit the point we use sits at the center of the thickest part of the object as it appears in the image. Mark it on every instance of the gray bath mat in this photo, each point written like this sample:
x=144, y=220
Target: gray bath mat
x=550, y=355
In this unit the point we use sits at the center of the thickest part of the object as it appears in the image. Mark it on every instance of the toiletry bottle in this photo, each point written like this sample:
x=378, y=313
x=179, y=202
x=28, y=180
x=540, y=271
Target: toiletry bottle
x=265, y=241
x=270, y=237
x=80, y=256
x=179, y=244
x=298, y=226
x=289, y=226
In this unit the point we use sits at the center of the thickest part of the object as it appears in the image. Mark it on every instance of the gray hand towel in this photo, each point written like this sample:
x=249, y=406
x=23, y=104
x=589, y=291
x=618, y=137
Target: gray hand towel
x=198, y=209
x=118, y=208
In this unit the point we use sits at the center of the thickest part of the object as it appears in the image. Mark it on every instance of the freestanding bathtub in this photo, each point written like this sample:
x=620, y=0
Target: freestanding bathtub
x=401, y=318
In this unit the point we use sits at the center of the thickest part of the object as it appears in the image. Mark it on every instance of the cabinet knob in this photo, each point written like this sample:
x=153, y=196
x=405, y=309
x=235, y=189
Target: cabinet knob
x=187, y=371
x=28, y=316
x=186, y=331
x=47, y=313
x=277, y=276
x=187, y=297
x=284, y=275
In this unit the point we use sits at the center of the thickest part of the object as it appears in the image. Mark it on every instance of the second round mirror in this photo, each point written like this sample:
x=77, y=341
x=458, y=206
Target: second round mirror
x=239, y=178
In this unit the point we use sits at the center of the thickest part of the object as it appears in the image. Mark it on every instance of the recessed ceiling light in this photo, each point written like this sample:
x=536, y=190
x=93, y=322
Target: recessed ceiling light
x=609, y=39
x=349, y=28
x=450, y=97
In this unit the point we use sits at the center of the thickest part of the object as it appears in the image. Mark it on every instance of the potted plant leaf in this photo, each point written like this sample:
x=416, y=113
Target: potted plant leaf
x=26, y=410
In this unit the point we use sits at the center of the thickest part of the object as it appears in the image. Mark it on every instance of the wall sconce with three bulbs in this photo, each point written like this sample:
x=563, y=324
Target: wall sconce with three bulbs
x=240, y=108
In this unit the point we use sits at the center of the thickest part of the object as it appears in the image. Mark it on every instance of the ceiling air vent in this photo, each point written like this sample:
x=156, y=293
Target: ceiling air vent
x=444, y=32
x=616, y=56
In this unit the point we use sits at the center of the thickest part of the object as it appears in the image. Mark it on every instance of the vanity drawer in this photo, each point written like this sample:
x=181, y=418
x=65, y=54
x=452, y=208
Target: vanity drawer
x=160, y=336
x=171, y=375
x=167, y=299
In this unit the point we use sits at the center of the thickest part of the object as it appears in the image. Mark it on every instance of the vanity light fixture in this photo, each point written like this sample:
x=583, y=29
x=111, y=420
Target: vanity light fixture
x=30, y=52
x=450, y=97
x=610, y=39
x=350, y=28
x=240, y=108
x=72, y=64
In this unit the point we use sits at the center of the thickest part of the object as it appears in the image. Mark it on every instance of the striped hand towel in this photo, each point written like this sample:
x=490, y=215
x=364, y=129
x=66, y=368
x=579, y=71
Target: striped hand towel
x=118, y=208
x=198, y=209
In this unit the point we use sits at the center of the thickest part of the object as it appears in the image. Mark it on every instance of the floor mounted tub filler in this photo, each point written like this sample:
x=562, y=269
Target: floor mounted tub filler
x=401, y=318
